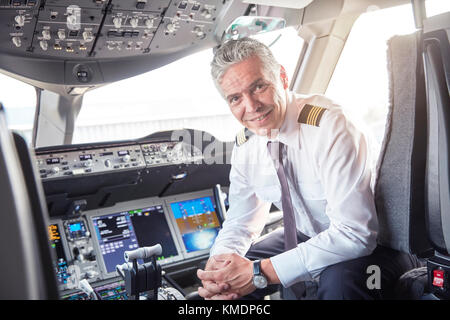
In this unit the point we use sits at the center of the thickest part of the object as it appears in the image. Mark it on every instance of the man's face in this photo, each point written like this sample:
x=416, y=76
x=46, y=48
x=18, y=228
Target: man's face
x=256, y=99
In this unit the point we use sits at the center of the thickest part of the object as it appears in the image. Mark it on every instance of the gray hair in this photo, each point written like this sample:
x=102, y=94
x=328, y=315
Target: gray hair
x=235, y=51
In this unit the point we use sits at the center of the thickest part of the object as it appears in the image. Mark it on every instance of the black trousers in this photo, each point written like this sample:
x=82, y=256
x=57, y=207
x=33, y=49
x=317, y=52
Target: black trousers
x=345, y=280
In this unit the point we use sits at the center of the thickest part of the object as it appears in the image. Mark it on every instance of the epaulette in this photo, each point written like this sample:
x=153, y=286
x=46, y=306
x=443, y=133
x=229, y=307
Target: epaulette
x=243, y=136
x=311, y=115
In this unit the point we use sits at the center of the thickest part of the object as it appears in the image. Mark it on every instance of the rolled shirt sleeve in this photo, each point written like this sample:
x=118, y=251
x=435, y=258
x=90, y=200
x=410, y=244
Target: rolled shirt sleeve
x=343, y=166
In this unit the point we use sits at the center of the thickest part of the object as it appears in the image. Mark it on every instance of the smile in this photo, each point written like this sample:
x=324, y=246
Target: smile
x=262, y=117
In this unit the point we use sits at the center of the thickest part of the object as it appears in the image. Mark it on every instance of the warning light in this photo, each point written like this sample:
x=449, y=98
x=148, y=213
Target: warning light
x=438, y=278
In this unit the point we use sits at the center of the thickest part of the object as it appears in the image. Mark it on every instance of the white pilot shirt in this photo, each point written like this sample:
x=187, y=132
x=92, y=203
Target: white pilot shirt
x=329, y=166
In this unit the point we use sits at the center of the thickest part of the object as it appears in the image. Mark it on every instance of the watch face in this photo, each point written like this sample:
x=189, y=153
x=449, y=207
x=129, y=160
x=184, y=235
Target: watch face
x=260, y=282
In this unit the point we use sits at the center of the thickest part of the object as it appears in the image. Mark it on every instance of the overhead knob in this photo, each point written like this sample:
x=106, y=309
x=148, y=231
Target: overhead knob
x=20, y=20
x=206, y=13
x=88, y=36
x=17, y=41
x=71, y=20
x=44, y=45
x=199, y=32
x=61, y=34
x=170, y=27
x=117, y=21
x=55, y=170
x=134, y=22
x=149, y=23
x=46, y=34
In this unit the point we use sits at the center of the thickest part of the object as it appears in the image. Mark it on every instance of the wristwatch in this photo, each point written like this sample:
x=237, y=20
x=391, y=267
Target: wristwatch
x=259, y=280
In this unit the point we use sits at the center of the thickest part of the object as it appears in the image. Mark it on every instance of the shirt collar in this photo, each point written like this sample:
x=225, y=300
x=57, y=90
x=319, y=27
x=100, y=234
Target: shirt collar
x=289, y=133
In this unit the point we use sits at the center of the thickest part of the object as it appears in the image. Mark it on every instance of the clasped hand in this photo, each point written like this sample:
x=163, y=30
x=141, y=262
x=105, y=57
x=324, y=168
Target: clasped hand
x=226, y=276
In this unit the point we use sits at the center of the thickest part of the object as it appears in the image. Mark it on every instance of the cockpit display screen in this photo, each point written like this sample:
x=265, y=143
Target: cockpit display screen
x=60, y=264
x=152, y=228
x=85, y=157
x=128, y=230
x=197, y=222
x=76, y=230
x=115, y=235
x=52, y=160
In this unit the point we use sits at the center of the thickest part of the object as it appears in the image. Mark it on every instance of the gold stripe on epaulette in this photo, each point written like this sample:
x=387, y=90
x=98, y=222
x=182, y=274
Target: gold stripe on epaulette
x=314, y=115
x=311, y=115
x=242, y=136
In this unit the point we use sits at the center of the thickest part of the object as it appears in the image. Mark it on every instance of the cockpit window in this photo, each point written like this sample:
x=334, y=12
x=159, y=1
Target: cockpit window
x=178, y=95
x=360, y=81
x=19, y=101
x=435, y=7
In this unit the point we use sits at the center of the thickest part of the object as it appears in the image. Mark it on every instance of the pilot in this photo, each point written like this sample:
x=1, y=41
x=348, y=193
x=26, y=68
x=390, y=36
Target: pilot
x=301, y=154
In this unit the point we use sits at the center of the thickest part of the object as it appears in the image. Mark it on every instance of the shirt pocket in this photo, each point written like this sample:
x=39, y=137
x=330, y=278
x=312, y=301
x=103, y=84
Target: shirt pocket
x=269, y=193
x=316, y=202
x=311, y=190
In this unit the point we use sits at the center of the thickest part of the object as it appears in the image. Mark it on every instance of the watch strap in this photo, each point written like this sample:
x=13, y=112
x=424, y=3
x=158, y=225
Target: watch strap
x=257, y=268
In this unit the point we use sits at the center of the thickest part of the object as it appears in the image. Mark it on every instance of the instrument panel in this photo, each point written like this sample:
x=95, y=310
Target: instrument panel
x=95, y=160
x=109, y=197
x=90, y=246
x=105, y=28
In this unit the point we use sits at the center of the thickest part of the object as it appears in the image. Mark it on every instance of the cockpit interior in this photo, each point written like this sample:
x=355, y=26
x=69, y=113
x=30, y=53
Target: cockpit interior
x=115, y=145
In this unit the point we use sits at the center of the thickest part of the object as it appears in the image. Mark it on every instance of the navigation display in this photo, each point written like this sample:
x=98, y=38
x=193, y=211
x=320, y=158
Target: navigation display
x=151, y=228
x=197, y=222
x=128, y=230
x=115, y=235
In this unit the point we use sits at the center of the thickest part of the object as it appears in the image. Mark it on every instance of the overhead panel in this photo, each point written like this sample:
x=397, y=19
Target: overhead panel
x=67, y=30
x=73, y=30
x=186, y=23
x=17, y=20
x=129, y=28
x=88, y=42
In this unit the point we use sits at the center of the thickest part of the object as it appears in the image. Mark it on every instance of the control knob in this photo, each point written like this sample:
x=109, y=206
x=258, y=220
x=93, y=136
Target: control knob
x=206, y=13
x=88, y=36
x=199, y=32
x=163, y=147
x=149, y=23
x=46, y=34
x=108, y=163
x=17, y=41
x=126, y=158
x=87, y=163
x=61, y=34
x=20, y=20
x=117, y=21
x=90, y=274
x=170, y=27
x=77, y=254
x=134, y=22
x=72, y=21
x=55, y=170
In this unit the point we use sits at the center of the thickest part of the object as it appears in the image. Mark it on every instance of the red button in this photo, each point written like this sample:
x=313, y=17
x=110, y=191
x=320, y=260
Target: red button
x=438, y=278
